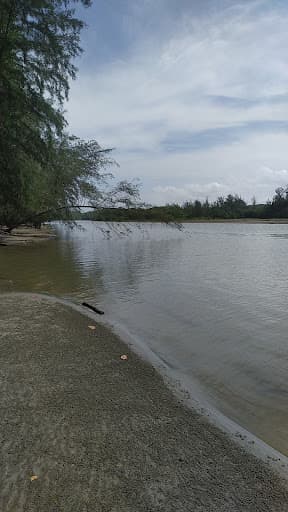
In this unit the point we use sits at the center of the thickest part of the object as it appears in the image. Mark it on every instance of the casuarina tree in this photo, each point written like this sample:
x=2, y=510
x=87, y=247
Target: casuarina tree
x=41, y=166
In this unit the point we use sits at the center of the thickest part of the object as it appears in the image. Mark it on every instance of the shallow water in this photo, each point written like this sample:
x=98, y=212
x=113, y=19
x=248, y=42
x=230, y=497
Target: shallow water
x=211, y=301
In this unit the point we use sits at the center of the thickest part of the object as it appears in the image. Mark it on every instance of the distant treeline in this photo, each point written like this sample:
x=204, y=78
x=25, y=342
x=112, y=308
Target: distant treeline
x=229, y=207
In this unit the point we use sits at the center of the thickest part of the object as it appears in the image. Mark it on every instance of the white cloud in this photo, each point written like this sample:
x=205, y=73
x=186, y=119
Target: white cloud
x=136, y=104
x=239, y=168
x=188, y=192
x=276, y=173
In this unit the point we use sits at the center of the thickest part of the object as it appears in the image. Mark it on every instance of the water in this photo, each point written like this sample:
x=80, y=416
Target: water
x=211, y=301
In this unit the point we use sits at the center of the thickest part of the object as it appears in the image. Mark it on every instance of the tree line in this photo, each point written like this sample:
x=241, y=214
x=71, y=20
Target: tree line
x=229, y=207
x=44, y=169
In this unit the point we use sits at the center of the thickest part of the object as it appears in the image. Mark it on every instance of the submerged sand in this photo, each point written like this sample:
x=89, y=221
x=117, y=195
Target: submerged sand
x=83, y=430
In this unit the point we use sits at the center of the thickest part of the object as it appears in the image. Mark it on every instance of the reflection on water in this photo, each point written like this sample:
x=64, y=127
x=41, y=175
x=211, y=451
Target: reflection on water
x=212, y=301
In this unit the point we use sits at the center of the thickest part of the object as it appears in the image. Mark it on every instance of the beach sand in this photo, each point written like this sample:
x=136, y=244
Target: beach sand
x=83, y=430
x=25, y=235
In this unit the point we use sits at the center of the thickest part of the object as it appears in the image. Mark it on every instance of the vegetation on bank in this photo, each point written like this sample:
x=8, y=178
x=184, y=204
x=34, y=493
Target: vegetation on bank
x=43, y=168
x=230, y=207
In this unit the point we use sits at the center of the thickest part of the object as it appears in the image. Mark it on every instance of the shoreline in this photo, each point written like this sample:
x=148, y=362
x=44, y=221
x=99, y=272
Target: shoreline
x=183, y=388
x=189, y=392
x=85, y=427
x=26, y=236
x=235, y=221
x=192, y=221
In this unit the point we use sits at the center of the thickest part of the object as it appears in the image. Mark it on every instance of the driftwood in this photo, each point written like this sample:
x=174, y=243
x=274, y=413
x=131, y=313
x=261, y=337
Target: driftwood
x=96, y=310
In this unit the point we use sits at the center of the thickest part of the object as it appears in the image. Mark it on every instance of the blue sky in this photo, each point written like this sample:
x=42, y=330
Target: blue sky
x=192, y=94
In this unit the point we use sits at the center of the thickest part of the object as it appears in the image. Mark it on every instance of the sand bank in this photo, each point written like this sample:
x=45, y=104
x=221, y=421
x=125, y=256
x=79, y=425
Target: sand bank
x=103, y=433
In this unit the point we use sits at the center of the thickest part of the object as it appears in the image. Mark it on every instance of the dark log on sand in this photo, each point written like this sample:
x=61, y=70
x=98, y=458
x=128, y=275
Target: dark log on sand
x=96, y=310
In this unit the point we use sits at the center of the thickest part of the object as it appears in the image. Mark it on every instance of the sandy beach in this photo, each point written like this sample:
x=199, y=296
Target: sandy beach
x=83, y=429
x=26, y=235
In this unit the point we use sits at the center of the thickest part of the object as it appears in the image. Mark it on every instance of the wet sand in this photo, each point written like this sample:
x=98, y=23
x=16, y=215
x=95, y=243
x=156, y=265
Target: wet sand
x=100, y=433
x=26, y=235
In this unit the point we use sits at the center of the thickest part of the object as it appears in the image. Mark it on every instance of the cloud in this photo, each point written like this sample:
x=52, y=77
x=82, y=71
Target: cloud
x=239, y=168
x=276, y=173
x=192, y=141
x=189, y=192
x=212, y=89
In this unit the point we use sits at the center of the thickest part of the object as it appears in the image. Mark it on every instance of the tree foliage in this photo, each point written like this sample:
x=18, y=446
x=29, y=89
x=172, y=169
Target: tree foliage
x=41, y=166
x=278, y=207
x=227, y=208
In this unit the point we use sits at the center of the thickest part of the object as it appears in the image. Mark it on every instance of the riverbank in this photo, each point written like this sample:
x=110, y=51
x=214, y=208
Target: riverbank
x=237, y=221
x=26, y=235
x=83, y=429
x=180, y=221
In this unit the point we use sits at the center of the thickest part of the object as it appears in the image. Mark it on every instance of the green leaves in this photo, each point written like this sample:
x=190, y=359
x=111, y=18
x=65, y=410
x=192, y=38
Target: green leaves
x=38, y=41
x=43, y=170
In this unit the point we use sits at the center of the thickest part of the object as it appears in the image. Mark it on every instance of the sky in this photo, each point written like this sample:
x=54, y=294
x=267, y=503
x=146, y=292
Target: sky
x=192, y=94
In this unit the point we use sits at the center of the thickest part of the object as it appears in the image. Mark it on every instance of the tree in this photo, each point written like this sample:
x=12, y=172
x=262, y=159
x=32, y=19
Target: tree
x=74, y=178
x=39, y=39
x=198, y=209
x=41, y=166
x=278, y=207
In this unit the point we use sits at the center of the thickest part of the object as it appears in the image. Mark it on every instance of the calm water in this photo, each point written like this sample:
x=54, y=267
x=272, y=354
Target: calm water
x=212, y=301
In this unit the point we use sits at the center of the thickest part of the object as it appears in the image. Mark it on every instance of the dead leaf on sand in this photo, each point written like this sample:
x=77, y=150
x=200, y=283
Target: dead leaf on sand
x=33, y=477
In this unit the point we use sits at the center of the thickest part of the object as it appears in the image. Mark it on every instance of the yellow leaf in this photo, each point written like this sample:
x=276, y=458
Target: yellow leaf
x=34, y=477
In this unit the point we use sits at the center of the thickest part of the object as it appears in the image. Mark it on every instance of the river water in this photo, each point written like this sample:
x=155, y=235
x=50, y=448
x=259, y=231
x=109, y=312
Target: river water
x=210, y=300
